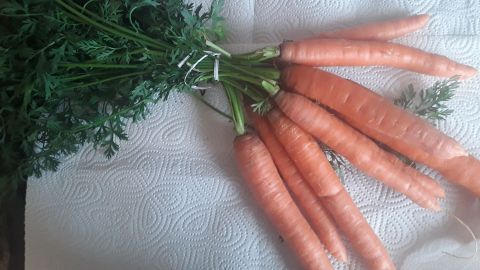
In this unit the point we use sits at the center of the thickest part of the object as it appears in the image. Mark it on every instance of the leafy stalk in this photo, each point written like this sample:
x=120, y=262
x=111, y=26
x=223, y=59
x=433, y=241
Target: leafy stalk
x=236, y=106
x=429, y=103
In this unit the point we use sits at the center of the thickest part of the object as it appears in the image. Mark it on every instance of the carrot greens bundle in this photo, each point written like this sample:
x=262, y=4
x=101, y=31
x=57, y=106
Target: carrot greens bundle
x=74, y=72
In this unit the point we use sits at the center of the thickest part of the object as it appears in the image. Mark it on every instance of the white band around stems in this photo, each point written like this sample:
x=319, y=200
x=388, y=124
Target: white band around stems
x=216, y=65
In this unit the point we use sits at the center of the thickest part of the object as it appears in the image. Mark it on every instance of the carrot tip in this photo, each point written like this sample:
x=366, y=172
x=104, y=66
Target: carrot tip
x=425, y=17
x=341, y=257
x=436, y=206
x=469, y=73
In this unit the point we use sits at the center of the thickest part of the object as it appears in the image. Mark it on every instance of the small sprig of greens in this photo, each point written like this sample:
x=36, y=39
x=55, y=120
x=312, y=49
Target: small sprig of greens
x=429, y=103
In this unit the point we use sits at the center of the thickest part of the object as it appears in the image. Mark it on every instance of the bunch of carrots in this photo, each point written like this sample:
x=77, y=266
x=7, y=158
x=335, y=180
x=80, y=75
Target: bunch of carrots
x=72, y=75
x=289, y=174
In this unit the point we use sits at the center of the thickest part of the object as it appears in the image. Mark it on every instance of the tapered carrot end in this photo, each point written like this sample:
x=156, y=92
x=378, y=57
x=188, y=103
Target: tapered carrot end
x=440, y=193
x=434, y=205
x=423, y=19
x=341, y=255
x=468, y=72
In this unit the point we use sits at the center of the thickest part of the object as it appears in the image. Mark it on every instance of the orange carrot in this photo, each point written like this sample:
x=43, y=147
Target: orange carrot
x=356, y=228
x=374, y=115
x=430, y=185
x=305, y=153
x=341, y=52
x=383, y=30
x=354, y=146
x=380, y=119
x=339, y=204
x=317, y=216
x=258, y=170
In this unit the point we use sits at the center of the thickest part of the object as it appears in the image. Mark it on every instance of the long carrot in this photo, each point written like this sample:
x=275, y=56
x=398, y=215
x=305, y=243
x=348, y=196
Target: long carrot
x=354, y=146
x=356, y=228
x=339, y=204
x=383, y=30
x=306, y=155
x=258, y=170
x=310, y=205
x=380, y=119
x=341, y=52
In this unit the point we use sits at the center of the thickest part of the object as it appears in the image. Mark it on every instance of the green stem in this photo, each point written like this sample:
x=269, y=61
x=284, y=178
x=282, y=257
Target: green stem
x=78, y=16
x=235, y=101
x=251, y=93
x=218, y=48
x=114, y=78
x=21, y=15
x=260, y=55
x=119, y=27
x=270, y=86
x=238, y=68
x=84, y=76
x=264, y=73
x=197, y=96
x=95, y=65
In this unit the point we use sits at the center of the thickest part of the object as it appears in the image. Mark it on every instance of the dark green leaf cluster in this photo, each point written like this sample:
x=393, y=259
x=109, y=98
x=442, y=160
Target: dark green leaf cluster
x=75, y=71
x=429, y=103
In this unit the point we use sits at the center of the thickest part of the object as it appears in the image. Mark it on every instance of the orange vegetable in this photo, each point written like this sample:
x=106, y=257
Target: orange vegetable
x=383, y=30
x=341, y=52
x=258, y=170
x=356, y=228
x=307, y=156
x=339, y=203
x=310, y=205
x=380, y=119
x=430, y=185
x=354, y=146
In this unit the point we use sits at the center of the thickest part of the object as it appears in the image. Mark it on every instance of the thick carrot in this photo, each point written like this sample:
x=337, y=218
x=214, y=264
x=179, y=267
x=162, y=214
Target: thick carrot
x=380, y=119
x=310, y=205
x=353, y=145
x=383, y=30
x=305, y=153
x=356, y=228
x=339, y=204
x=258, y=170
x=341, y=52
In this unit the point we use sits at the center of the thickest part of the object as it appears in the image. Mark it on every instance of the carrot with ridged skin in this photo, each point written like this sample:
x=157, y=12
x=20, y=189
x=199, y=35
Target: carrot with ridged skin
x=354, y=146
x=380, y=119
x=332, y=90
x=263, y=180
x=305, y=153
x=373, y=114
x=319, y=219
x=382, y=30
x=339, y=204
x=341, y=52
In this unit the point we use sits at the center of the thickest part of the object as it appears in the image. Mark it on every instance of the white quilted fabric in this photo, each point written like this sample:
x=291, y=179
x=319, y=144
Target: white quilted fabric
x=173, y=199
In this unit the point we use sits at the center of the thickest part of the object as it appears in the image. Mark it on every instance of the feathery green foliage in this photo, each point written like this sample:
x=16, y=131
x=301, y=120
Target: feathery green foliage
x=429, y=103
